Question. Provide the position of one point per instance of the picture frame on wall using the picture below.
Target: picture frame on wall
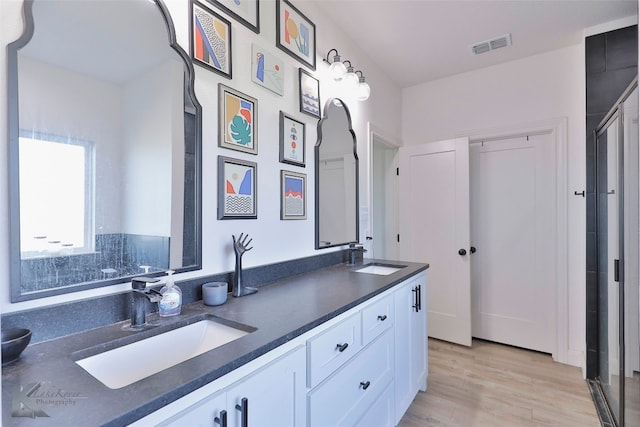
(246, 12)
(210, 45)
(237, 189)
(293, 195)
(295, 33)
(292, 140)
(237, 120)
(267, 70)
(309, 94)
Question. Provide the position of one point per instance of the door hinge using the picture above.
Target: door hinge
(616, 270)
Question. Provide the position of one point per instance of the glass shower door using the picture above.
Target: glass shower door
(631, 256)
(608, 228)
(618, 242)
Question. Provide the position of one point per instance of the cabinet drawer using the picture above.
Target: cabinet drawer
(347, 394)
(380, 413)
(377, 318)
(332, 348)
(200, 414)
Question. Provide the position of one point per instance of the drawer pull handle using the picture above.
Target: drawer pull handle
(244, 412)
(382, 318)
(342, 347)
(365, 385)
(222, 420)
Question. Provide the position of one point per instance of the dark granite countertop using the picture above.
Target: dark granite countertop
(280, 311)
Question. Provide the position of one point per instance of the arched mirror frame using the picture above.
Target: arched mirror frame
(325, 117)
(13, 131)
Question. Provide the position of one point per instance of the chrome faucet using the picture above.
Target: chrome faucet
(139, 296)
(353, 251)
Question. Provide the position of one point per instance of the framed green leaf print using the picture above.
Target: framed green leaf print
(238, 120)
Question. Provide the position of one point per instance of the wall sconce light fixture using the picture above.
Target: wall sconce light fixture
(342, 71)
(337, 68)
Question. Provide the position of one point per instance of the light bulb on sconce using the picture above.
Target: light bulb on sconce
(362, 90)
(337, 70)
(350, 79)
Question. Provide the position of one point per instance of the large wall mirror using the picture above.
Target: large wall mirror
(104, 135)
(336, 164)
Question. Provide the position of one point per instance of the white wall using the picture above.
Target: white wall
(534, 89)
(273, 240)
(147, 158)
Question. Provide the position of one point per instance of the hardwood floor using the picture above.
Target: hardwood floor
(495, 385)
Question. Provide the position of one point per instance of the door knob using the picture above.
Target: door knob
(462, 252)
(472, 249)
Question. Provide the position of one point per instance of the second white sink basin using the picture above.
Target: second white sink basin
(380, 269)
(132, 362)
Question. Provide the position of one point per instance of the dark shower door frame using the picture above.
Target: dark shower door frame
(615, 114)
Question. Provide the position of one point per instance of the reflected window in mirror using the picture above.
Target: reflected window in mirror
(336, 173)
(104, 86)
(56, 213)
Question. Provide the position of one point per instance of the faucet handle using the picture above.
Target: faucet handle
(141, 282)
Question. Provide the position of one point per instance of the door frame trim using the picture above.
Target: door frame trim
(373, 131)
(558, 129)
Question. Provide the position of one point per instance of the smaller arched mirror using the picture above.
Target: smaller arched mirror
(336, 161)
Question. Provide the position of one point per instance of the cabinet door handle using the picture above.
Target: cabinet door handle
(416, 299)
(342, 347)
(222, 420)
(244, 412)
(365, 385)
(382, 318)
(419, 298)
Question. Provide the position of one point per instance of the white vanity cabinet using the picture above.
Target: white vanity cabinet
(360, 368)
(271, 396)
(410, 342)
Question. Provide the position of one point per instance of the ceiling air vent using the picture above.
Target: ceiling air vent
(492, 44)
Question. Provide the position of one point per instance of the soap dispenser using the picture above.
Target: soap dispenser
(171, 301)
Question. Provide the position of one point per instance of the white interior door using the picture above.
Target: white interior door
(513, 272)
(434, 226)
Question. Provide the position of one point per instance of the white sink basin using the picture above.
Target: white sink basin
(130, 363)
(380, 269)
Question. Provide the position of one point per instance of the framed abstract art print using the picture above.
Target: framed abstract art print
(237, 189)
(237, 120)
(295, 33)
(210, 40)
(292, 140)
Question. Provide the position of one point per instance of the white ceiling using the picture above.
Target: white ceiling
(415, 41)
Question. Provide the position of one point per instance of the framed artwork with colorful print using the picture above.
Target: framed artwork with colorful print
(210, 40)
(237, 189)
(295, 33)
(237, 120)
(309, 94)
(293, 195)
(292, 140)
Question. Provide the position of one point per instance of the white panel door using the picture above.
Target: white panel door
(513, 272)
(434, 227)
